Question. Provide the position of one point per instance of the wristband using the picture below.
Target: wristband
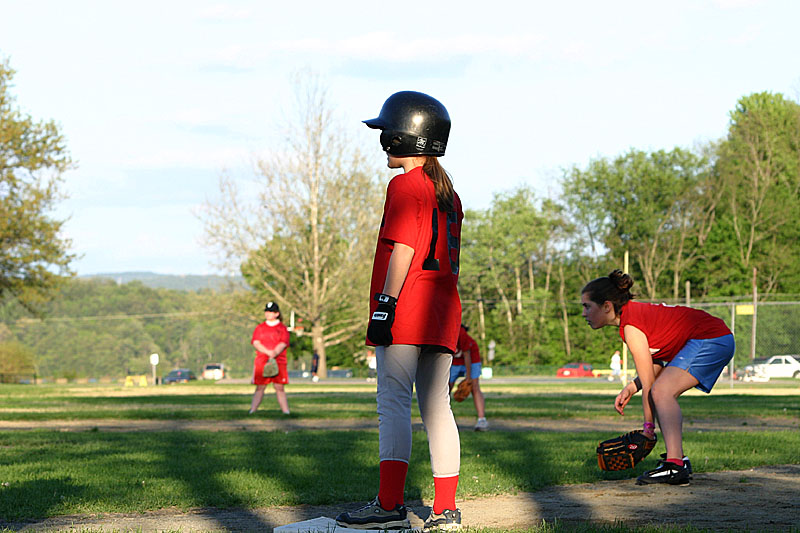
(386, 299)
(649, 427)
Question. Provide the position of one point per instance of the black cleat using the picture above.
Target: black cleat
(446, 521)
(686, 462)
(665, 472)
(373, 516)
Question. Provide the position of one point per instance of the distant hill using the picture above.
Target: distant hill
(186, 282)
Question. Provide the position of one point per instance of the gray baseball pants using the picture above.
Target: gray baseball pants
(399, 367)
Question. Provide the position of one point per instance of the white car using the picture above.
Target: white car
(779, 366)
(215, 371)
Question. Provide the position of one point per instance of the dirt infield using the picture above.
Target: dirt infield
(764, 498)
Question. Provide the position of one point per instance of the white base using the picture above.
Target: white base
(323, 524)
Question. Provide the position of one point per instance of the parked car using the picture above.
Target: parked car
(340, 373)
(749, 368)
(213, 371)
(181, 375)
(575, 370)
(779, 366)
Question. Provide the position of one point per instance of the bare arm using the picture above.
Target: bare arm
(271, 353)
(640, 349)
(630, 389)
(399, 263)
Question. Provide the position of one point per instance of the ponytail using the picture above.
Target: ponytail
(442, 185)
(614, 288)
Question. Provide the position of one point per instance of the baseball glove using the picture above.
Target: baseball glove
(463, 390)
(270, 369)
(625, 451)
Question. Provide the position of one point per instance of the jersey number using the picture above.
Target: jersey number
(453, 245)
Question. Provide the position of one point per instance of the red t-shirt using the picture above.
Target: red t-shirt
(669, 327)
(270, 337)
(428, 307)
(467, 344)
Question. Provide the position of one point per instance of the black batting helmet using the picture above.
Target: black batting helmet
(412, 123)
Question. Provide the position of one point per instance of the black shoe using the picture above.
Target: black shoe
(373, 516)
(448, 520)
(686, 462)
(665, 472)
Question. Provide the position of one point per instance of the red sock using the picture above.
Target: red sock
(444, 490)
(393, 483)
(678, 462)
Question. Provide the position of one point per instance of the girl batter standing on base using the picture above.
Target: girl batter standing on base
(674, 349)
(415, 310)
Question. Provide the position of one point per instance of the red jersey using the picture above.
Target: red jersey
(270, 337)
(428, 306)
(669, 327)
(467, 344)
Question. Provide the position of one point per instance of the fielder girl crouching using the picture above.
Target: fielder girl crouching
(674, 349)
(415, 311)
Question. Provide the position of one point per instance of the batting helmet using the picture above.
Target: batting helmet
(412, 123)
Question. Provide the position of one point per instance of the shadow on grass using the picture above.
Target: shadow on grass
(206, 491)
(511, 455)
(41, 497)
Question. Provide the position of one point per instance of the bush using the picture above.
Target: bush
(15, 360)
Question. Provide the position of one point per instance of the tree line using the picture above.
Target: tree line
(717, 216)
(712, 216)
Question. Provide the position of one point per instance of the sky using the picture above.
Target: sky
(158, 99)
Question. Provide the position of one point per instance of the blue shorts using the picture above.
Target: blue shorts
(704, 359)
(457, 371)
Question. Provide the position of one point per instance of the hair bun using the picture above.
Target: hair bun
(622, 280)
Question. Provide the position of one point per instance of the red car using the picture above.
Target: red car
(575, 370)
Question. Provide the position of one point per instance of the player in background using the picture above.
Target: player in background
(270, 339)
(467, 348)
(314, 366)
(415, 311)
(674, 349)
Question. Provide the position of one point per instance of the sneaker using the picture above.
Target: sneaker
(686, 462)
(373, 516)
(665, 472)
(482, 425)
(449, 519)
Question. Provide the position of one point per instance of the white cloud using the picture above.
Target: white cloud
(378, 46)
(138, 238)
(749, 34)
(735, 4)
(189, 157)
(224, 12)
(234, 56)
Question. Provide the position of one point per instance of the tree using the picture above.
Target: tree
(659, 206)
(16, 360)
(759, 165)
(34, 258)
(309, 242)
(502, 250)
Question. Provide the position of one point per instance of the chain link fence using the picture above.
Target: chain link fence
(775, 326)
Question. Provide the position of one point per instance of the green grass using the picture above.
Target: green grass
(549, 527)
(223, 402)
(47, 473)
(51, 473)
